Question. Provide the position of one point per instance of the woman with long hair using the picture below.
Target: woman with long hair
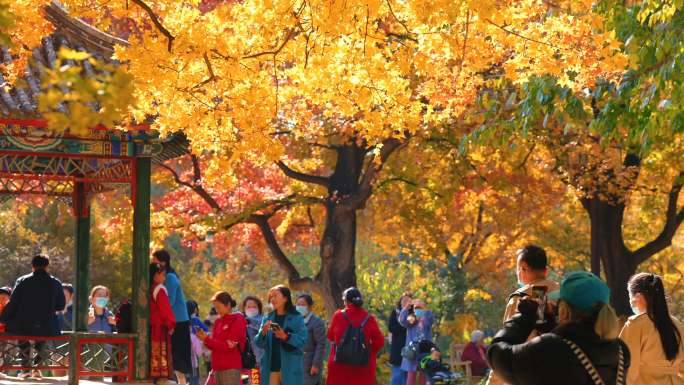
(282, 336)
(182, 345)
(654, 337)
(162, 324)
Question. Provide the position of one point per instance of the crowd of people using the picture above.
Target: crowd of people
(552, 333)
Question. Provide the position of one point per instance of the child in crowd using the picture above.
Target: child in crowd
(196, 350)
(435, 371)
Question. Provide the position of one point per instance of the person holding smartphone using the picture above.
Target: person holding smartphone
(227, 341)
(532, 273)
(282, 336)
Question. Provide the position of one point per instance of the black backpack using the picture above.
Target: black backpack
(352, 349)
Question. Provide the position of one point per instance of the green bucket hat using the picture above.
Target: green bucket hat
(582, 290)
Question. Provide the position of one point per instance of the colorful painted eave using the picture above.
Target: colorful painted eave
(33, 136)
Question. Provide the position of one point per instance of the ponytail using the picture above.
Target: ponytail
(601, 317)
(651, 287)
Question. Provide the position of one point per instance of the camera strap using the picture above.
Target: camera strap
(589, 366)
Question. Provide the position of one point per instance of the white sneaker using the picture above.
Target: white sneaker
(23, 375)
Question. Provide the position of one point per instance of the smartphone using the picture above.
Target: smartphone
(275, 326)
(539, 294)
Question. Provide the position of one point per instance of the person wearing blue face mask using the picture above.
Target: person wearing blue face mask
(100, 319)
(314, 350)
(417, 320)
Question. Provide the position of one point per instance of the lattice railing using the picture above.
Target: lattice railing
(98, 355)
(91, 169)
(11, 186)
(41, 353)
(105, 356)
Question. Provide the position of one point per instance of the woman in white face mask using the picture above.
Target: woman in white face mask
(253, 310)
(314, 350)
(653, 336)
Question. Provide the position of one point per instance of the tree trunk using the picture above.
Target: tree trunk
(608, 247)
(338, 244)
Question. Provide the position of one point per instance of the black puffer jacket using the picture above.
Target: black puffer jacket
(398, 337)
(31, 310)
(547, 360)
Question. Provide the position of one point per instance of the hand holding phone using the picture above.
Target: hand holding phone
(539, 295)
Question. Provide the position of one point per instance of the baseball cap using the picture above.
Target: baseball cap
(582, 290)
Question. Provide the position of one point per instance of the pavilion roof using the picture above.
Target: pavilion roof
(36, 160)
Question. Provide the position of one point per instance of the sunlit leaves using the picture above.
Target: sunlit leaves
(76, 101)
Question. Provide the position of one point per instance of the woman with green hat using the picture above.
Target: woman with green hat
(582, 350)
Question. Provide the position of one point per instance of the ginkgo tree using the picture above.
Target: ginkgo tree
(329, 91)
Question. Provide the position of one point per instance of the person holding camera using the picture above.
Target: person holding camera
(583, 349)
(282, 336)
(417, 320)
(532, 273)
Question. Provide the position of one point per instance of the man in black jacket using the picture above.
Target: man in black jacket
(32, 308)
(398, 341)
(587, 325)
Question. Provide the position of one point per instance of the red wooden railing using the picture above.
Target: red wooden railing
(116, 349)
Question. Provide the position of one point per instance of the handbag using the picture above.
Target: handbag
(410, 351)
(589, 367)
(247, 356)
(249, 360)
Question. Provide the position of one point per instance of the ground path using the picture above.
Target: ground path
(56, 381)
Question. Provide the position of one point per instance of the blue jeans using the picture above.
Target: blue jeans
(398, 376)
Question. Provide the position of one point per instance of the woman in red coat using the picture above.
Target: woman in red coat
(342, 374)
(227, 341)
(162, 323)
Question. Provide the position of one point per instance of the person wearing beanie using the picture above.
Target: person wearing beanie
(353, 315)
(227, 341)
(583, 349)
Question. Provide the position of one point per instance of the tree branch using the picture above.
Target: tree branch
(673, 219)
(307, 178)
(389, 146)
(288, 37)
(410, 183)
(196, 185)
(210, 68)
(295, 279)
(157, 23)
(519, 35)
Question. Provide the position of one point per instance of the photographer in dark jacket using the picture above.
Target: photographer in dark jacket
(32, 308)
(398, 341)
(587, 326)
